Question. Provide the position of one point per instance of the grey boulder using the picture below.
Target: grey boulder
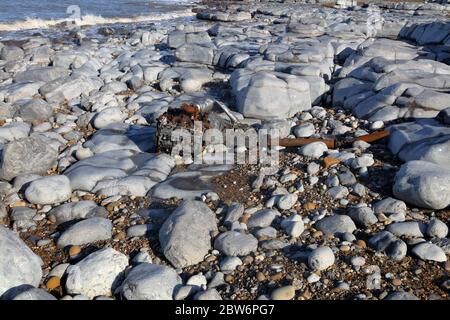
(49, 190)
(233, 243)
(18, 264)
(429, 251)
(423, 184)
(185, 236)
(149, 281)
(336, 224)
(97, 274)
(29, 155)
(86, 231)
(77, 210)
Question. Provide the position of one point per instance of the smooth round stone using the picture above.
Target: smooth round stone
(266, 233)
(321, 258)
(230, 264)
(283, 293)
(49, 190)
(262, 218)
(376, 125)
(293, 225)
(363, 162)
(185, 291)
(344, 286)
(234, 243)
(313, 168)
(83, 153)
(429, 251)
(150, 282)
(197, 280)
(336, 224)
(313, 278)
(437, 229)
(108, 116)
(286, 202)
(86, 231)
(358, 261)
(142, 257)
(304, 130)
(137, 230)
(314, 150)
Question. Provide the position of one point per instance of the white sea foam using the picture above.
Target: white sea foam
(90, 20)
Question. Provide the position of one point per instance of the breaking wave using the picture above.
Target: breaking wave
(90, 20)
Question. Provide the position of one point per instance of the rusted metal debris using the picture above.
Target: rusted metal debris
(333, 142)
(185, 116)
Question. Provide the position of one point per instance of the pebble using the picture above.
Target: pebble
(313, 278)
(429, 251)
(198, 280)
(321, 258)
(49, 190)
(286, 202)
(361, 243)
(436, 228)
(230, 264)
(314, 150)
(283, 293)
(330, 161)
(53, 283)
(74, 251)
(357, 261)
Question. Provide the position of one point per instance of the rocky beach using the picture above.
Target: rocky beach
(92, 208)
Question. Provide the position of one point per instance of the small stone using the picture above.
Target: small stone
(309, 206)
(229, 278)
(429, 251)
(230, 264)
(396, 282)
(234, 243)
(283, 293)
(86, 231)
(260, 277)
(286, 202)
(336, 224)
(361, 243)
(313, 278)
(262, 218)
(321, 258)
(293, 225)
(401, 296)
(330, 161)
(314, 150)
(53, 283)
(304, 130)
(338, 192)
(198, 280)
(74, 251)
(49, 190)
(437, 229)
(358, 261)
(120, 236)
(363, 215)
